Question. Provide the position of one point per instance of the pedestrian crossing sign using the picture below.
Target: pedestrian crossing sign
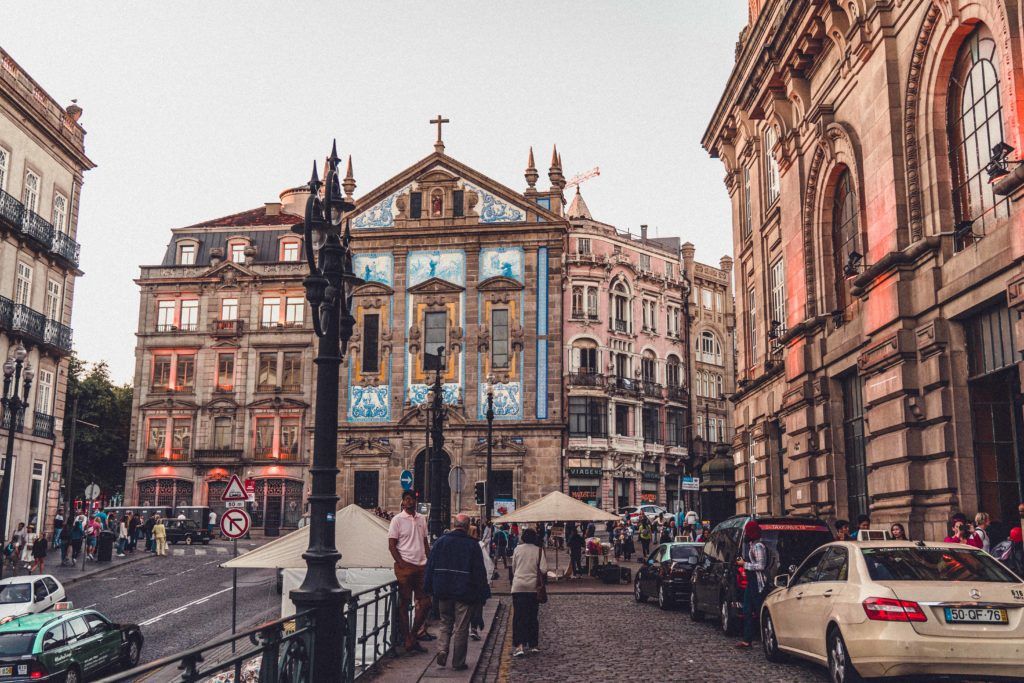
(235, 490)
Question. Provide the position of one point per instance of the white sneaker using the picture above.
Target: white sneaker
(474, 635)
(519, 653)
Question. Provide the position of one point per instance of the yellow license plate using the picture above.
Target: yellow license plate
(6, 670)
(976, 615)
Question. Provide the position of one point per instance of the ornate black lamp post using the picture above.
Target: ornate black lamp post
(488, 495)
(329, 288)
(437, 523)
(16, 371)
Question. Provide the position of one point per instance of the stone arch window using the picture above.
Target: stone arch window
(622, 307)
(847, 250)
(719, 386)
(673, 372)
(710, 349)
(975, 125)
(649, 367)
(586, 357)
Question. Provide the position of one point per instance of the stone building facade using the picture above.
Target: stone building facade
(42, 165)
(224, 369)
(878, 268)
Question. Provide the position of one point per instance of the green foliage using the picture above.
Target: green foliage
(100, 450)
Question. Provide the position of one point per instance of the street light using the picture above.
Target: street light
(329, 287)
(437, 523)
(488, 496)
(16, 371)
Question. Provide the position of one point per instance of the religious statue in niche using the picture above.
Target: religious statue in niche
(436, 204)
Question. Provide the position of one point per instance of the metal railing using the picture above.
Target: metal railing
(28, 322)
(586, 378)
(281, 651)
(218, 453)
(227, 328)
(6, 422)
(66, 248)
(652, 389)
(42, 425)
(620, 325)
(22, 320)
(677, 393)
(37, 228)
(11, 210)
(57, 335)
(625, 385)
(32, 225)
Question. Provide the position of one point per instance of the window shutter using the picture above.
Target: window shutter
(457, 210)
(575, 361)
(416, 205)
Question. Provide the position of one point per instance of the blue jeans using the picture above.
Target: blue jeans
(752, 599)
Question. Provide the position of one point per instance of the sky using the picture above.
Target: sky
(195, 110)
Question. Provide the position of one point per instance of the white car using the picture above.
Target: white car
(652, 512)
(20, 595)
(896, 608)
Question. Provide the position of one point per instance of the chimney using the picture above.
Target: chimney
(643, 233)
(273, 208)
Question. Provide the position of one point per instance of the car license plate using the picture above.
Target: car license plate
(976, 615)
(6, 670)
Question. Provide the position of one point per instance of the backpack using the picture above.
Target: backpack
(1003, 551)
(501, 538)
(771, 569)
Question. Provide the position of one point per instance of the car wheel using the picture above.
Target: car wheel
(770, 639)
(188, 540)
(695, 613)
(638, 592)
(664, 601)
(726, 618)
(840, 668)
(131, 657)
(72, 675)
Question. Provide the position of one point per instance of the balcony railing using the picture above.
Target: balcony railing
(57, 335)
(652, 389)
(6, 312)
(218, 453)
(175, 454)
(227, 328)
(28, 322)
(677, 393)
(18, 427)
(625, 385)
(586, 378)
(42, 425)
(66, 248)
(23, 321)
(620, 325)
(36, 228)
(11, 210)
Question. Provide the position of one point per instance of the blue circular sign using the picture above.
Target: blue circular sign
(406, 480)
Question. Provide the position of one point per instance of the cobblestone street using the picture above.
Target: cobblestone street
(599, 638)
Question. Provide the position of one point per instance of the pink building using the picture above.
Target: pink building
(625, 342)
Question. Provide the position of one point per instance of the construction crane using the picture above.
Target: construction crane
(581, 178)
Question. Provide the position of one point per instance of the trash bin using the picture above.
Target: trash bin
(105, 546)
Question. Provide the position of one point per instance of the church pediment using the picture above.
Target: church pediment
(229, 271)
(373, 289)
(170, 403)
(499, 283)
(435, 285)
(503, 445)
(278, 403)
(222, 406)
(437, 175)
(413, 415)
(370, 446)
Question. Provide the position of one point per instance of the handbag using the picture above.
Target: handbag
(542, 590)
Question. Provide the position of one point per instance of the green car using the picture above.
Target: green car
(70, 646)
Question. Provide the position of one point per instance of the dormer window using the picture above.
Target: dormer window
(186, 253)
(236, 251)
(290, 250)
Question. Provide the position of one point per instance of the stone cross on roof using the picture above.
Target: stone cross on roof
(439, 145)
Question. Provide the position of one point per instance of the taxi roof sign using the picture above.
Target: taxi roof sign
(235, 490)
(63, 606)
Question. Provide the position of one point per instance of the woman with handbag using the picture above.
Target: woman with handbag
(529, 568)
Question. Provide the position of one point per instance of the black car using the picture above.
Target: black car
(718, 584)
(666, 574)
(186, 531)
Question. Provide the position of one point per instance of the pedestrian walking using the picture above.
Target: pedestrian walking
(147, 530)
(456, 578)
(211, 522)
(476, 621)
(645, 536)
(863, 524)
(28, 538)
(39, 549)
(575, 544)
(754, 561)
(77, 537)
(628, 548)
(1015, 559)
(529, 568)
(407, 542)
(134, 522)
(898, 533)
(160, 536)
(58, 527)
(92, 533)
(122, 536)
(501, 539)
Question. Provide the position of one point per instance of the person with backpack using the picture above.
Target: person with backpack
(754, 561)
(501, 546)
(77, 534)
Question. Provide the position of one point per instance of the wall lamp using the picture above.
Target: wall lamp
(997, 166)
(854, 264)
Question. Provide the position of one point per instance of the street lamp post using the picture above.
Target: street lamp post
(488, 495)
(16, 371)
(437, 523)
(329, 288)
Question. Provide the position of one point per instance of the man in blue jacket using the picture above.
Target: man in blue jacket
(457, 579)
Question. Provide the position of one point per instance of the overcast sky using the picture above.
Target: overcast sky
(195, 110)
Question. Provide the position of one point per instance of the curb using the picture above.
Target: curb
(100, 570)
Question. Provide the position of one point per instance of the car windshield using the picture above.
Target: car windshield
(934, 564)
(793, 545)
(15, 592)
(16, 643)
(682, 552)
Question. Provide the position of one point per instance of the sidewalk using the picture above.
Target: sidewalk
(559, 581)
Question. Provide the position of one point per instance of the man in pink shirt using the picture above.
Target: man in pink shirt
(407, 541)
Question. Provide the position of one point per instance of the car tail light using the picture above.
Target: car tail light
(37, 671)
(888, 609)
(741, 579)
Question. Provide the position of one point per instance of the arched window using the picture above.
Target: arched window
(621, 308)
(719, 387)
(975, 124)
(672, 372)
(649, 367)
(710, 350)
(845, 234)
(771, 167)
(585, 357)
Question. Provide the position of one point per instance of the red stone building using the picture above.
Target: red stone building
(878, 270)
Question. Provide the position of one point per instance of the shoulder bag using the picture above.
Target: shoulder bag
(542, 590)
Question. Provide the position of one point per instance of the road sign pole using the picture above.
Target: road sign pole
(234, 595)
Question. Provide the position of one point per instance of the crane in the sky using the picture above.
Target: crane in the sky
(581, 178)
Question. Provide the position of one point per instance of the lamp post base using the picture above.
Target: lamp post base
(331, 632)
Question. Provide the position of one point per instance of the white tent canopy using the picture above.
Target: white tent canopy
(557, 507)
(361, 536)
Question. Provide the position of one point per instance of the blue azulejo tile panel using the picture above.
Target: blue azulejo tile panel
(418, 393)
(369, 404)
(501, 262)
(381, 214)
(446, 264)
(542, 290)
(508, 401)
(375, 268)
(542, 379)
(493, 209)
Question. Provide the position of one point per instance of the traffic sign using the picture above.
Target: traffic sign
(235, 490)
(92, 492)
(250, 489)
(234, 503)
(234, 523)
(690, 484)
(406, 480)
(456, 476)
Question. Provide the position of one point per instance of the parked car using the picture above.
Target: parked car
(20, 595)
(718, 583)
(895, 608)
(666, 574)
(653, 512)
(186, 531)
(70, 646)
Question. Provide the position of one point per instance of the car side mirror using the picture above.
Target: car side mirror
(792, 569)
(782, 581)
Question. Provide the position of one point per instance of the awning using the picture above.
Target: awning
(557, 507)
(361, 536)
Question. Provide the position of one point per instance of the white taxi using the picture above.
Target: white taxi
(897, 608)
(29, 594)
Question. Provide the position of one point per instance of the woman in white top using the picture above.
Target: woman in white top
(26, 549)
(529, 568)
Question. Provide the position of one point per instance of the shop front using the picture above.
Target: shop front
(585, 485)
(278, 504)
(649, 479)
(165, 492)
